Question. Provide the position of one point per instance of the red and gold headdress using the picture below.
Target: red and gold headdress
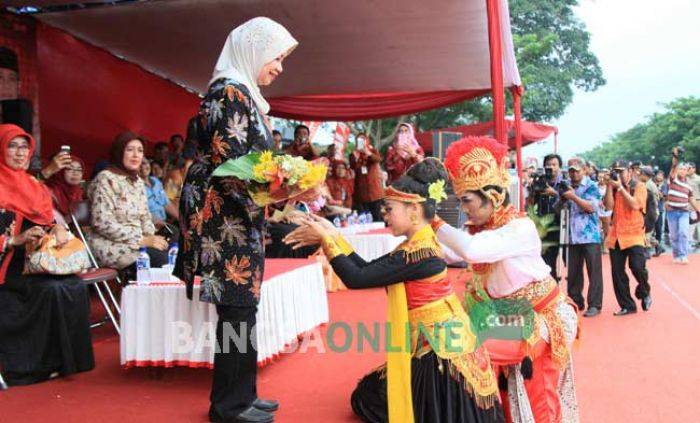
(392, 193)
(477, 162)
(436, 191)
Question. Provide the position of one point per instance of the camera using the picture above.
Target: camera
(564, 186)
(542, 179)
(549, 173)
(539, 181)
(615, 175)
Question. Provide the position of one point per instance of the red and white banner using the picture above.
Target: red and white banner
(340, 140)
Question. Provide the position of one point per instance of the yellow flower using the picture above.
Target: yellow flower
(265, 171)
(314, 176)
(265, 157)
(436, 190)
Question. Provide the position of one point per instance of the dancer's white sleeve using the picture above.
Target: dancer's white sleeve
(519, 237)
(450, 256)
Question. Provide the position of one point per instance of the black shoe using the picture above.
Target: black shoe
(624, 312)
(253, 415)
(266, 405)
(646, 303)
(592, 312)
(214, 417)
(658, 252)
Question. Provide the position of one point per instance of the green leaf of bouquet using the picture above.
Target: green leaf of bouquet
(241, 168)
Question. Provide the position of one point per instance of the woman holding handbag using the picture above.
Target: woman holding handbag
(44, 326)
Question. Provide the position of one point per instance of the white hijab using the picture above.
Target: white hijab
(247, 49)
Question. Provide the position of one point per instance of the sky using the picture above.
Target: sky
(649, 51)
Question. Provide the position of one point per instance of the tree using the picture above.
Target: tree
(651, 141)
(552, 52)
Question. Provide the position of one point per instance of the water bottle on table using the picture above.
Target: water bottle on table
(143, 266)
(361, 219)
(354, 218)
(172, 254)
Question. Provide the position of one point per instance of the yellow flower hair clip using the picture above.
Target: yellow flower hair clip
(436, 190)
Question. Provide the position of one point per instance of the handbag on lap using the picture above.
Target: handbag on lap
(45, 257)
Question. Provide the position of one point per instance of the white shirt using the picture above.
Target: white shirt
(514, 250)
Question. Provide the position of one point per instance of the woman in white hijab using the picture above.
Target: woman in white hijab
(221, 227)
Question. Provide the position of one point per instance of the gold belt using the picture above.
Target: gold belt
(447, 330)
(437, 311)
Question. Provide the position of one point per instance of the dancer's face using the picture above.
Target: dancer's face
(477, 209)
(397, 216)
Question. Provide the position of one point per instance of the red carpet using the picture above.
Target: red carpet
(640, 368)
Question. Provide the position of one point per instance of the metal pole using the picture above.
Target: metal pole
(563, 263)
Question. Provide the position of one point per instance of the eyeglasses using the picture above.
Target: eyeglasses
(16, 147)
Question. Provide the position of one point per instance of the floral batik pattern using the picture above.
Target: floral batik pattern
(221, 228)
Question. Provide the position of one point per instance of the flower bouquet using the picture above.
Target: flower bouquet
(272, 178)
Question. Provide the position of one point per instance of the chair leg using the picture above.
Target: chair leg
(3, 385)
(112, 298)
(108, 309)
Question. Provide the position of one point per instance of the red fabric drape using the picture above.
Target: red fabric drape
(364, 106)
(531, 132)
(87, 96)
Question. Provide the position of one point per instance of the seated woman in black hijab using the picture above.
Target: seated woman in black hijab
(444, 376)
(44, 327)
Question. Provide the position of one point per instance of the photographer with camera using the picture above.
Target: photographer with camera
(627, 198)
(582, 199)
(679, 202)
(544, 195)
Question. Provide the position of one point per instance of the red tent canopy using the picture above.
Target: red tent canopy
(356, 60)
(531, 132)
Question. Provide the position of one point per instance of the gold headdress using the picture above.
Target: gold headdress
(478, 162)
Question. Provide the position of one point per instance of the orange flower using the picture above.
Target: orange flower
(257, 281)
(212, 200)
(219, 146)
(196, 222)
(237, 270)
(234, 93)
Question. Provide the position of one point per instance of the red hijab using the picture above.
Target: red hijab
(19, 191)
(116, 155)
(64, 193)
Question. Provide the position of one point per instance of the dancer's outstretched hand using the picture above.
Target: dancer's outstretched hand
(312, 230)
(325, 223)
